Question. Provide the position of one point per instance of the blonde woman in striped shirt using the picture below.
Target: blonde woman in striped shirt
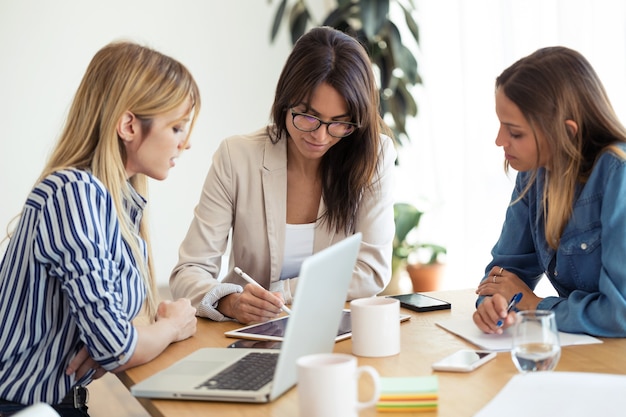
(77, 269)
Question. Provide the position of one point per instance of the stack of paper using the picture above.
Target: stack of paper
(404, 394)
(550, 394)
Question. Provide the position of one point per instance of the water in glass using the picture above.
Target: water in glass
(536, 344)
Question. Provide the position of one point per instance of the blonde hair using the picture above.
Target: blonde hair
(122, 76)
(551, 86)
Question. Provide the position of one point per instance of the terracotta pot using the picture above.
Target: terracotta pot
(425, 277)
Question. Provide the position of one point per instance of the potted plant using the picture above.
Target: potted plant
(392, 58)
(422, 261)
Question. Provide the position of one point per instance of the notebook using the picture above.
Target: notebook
(312, 328)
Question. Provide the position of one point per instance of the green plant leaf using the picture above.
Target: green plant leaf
(398, 106)
(409, 101)
(406, 218)
(384, 62)
(338, 17)
(374, 14)
(393, 37)
(411, 24)
(408, 64)
(278, 18)
(298, 20)
(436, 252)
(368, 20)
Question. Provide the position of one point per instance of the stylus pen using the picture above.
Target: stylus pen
(249, 279)
(514, 300)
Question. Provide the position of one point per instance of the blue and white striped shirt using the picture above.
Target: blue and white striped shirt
(67, 280)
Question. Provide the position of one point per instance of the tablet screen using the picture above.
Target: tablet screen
(275, 329)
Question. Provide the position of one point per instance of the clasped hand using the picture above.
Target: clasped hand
(498, 288)
(181, 317)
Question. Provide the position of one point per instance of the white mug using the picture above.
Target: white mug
(375, 326)
(328, 385)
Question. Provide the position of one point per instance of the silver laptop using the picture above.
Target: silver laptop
(311, 328)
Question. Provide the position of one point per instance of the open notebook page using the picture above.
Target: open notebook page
(466, 329)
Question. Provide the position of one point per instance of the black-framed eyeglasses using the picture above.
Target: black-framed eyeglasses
(307, 123)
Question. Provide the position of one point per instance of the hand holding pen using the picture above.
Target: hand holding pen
(514, 300)
(250, 280)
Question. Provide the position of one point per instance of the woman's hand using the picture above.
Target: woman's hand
(181, 315)
(498, 289)
(175, 321)
(492, 311)
(83, 363)
(507, 284)
(254, 305)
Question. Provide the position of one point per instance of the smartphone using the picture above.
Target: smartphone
(421, 303)
(465, 360)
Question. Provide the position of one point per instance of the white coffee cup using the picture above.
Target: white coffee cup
(375, 326)
(328, 385)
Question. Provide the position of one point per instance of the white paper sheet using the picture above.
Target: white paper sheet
(552, 394)
(466, 329)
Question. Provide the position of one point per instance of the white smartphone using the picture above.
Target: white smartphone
(465, 360)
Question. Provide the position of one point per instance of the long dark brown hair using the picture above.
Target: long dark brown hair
(327, 55)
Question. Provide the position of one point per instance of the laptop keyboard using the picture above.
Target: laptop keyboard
(249, 373)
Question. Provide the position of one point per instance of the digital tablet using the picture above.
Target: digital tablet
(421, 303)
(275, 329)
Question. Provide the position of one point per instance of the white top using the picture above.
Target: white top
(298, 247)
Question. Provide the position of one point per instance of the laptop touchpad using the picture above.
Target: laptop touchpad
(193, 367)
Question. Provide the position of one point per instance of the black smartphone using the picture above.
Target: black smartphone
(421, 303)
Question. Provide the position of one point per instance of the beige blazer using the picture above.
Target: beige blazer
(244, 194)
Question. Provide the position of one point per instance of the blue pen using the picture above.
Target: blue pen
(514, 300)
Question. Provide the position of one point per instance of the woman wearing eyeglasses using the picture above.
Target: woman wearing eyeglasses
(323, 170)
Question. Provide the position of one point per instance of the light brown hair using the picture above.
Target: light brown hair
(551, 86)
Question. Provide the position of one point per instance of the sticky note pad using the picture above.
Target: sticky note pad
(403, 394)
(416, 386)
(394, 407)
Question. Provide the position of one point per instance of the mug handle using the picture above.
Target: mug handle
(375, 379)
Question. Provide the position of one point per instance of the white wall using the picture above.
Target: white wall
(45, 48)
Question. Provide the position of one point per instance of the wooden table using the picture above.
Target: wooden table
(423, 342)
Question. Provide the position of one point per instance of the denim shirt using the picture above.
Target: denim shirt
(588, 270)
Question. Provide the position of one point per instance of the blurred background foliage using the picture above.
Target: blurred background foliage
(392, 55)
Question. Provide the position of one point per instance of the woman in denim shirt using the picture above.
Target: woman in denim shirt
(567, 217)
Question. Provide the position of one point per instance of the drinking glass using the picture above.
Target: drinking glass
(536, 344)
